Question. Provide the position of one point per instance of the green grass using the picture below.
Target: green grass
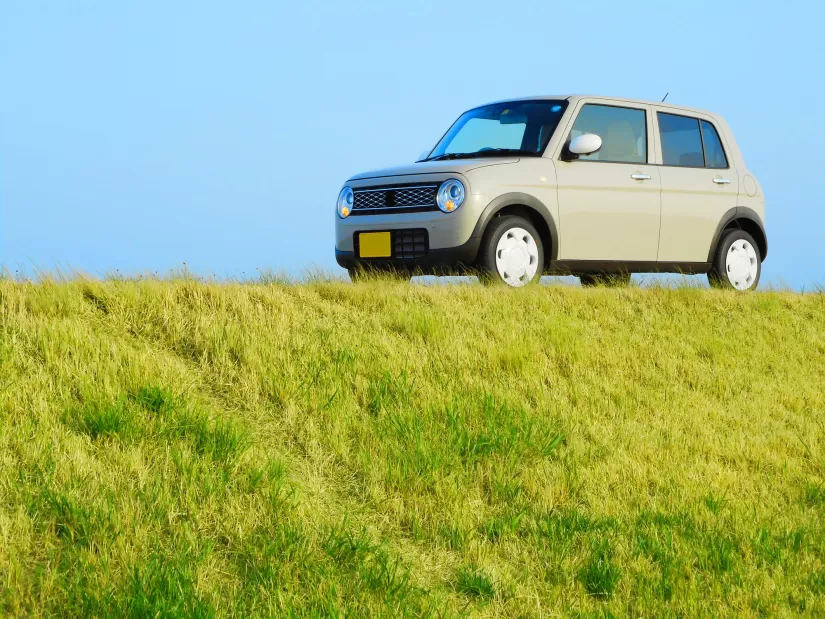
(182, 448)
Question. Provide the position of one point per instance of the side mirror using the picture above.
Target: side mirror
(585, 144)
(424, 155)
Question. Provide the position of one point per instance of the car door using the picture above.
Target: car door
(609, 201)
(698, 186)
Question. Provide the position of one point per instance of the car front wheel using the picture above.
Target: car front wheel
(512, 252)
(737, 264)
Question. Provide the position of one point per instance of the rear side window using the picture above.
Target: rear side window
(623, 132)
(714, 153)
(690, 143)
(681, 141)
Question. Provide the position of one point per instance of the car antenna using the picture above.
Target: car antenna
(665, 97)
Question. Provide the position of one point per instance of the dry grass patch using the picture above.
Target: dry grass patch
(181, 448)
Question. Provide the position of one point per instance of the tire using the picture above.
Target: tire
(737, 264)
(511, 252)
(361, 274)
(610, 280)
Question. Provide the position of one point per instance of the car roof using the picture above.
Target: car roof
(574, 98)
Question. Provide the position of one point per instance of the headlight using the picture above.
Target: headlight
(450, 195)
(345, 200)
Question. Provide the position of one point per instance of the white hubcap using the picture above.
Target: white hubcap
(517, 257)
(741, 265)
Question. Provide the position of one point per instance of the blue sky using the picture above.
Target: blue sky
(141, 135)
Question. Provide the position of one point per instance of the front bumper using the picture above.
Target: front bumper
(452, 243)
(457, 259)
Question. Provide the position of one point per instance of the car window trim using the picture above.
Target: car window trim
(718, 139)
(701, 135)
(621, 107)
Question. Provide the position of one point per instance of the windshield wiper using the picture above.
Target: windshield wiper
(449, 156)
(494, 152)
(490, 152)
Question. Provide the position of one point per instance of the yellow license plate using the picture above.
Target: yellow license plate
(374, 245)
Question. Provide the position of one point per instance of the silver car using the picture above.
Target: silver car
(592, 186)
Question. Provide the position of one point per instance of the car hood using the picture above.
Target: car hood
(456, 166)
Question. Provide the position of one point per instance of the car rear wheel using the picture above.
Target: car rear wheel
(604, 279)
(511, 252)
(737, 264)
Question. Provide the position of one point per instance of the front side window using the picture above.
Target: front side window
(515, 128)
(623, 132)
(714, 153)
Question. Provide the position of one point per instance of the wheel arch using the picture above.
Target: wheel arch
(741, 218)
(530, 208)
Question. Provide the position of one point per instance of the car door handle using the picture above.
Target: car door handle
(640, 177)
(721, 181)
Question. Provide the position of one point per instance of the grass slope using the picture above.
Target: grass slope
(184, 448)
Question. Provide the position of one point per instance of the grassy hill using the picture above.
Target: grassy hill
(184, 448)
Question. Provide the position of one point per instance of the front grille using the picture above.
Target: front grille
(407, 244)
(408, 198)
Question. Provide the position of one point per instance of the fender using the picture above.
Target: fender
(518, 199)
(740, 212)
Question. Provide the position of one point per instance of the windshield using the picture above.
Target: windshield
(515, 128)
